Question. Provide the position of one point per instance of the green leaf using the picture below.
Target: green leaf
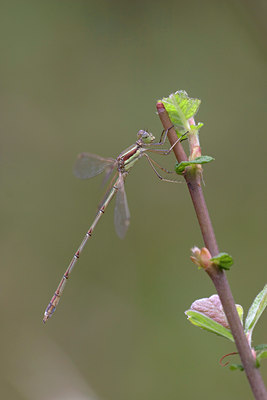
(180, 167)
(223, 260)
(240, 312)
(181, 108)
(256, 309)
(235, 367)
(260, 347)
(261, 356)
(196, 127)
(204, 322)
(261, 353)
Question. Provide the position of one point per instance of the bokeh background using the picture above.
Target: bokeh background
(85, 76)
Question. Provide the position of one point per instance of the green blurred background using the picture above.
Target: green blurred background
(85, 76)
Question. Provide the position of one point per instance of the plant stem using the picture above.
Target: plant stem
(217, 275)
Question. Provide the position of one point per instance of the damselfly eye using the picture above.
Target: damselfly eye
(140, 133)
(144, 135)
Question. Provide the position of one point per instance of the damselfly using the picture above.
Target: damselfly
(89, 165)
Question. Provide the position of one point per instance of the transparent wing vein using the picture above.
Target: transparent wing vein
(122, 213)
(89, 165)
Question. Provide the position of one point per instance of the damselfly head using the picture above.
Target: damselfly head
(145, 137)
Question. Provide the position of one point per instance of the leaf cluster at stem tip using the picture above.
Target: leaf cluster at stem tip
(181, 108)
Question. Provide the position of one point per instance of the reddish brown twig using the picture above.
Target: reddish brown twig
(217, 275)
